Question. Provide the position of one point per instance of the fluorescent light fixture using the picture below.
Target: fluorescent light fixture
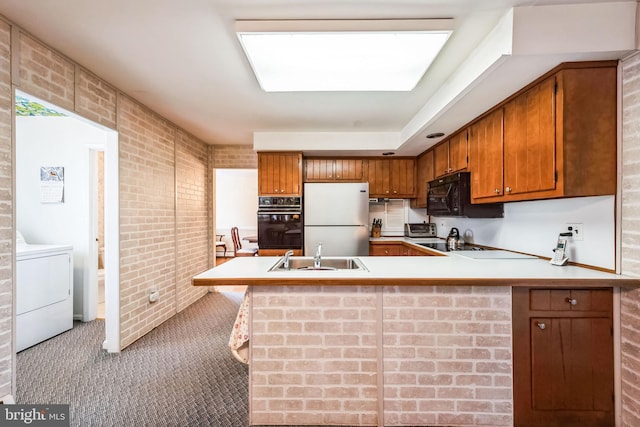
(342, 55)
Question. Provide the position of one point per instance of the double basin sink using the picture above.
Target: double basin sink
(326, 264)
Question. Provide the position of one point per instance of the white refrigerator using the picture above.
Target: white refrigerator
(336, 214)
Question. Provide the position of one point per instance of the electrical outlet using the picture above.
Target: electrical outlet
(577, 231)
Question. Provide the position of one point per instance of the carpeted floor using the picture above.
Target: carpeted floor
(180, 374)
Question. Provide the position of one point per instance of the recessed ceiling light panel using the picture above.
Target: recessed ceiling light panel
(374, 56)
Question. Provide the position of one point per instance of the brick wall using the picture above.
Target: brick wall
(7, 362)
(447, 356)
(45, 73)
(147, 219)
(314, 358)
(630, 242)
(159, 164)
(193, 235)
(234, 156)
(444, 355)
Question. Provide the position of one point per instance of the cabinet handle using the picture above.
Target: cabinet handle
(508, 189)
(542, 326)
(497, 191)
(572, 301)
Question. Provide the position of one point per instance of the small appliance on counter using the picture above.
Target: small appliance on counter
(420, 229)
(454, 241)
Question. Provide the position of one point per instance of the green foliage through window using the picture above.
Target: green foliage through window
(25, 107)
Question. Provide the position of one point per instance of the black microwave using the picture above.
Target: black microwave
(451, 196)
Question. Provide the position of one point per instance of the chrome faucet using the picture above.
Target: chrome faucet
(286, 259)
(317, 259)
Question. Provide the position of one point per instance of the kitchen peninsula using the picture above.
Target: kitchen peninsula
(406, 341)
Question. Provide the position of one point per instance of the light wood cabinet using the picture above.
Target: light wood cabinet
(558, 139)
(280, 174)
(451, 155)
(424, 173)
(563, 357)
(393, 178)
(330, 170)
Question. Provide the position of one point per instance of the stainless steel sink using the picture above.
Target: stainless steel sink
(328, 263)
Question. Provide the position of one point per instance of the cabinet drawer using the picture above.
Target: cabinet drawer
(570, 299)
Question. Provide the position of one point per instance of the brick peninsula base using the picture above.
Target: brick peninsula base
(381, 355)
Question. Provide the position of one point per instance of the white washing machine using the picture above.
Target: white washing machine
(44, 292)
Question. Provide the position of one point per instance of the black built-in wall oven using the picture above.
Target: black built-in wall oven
(280, 223)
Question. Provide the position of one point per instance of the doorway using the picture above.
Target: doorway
(47, 136)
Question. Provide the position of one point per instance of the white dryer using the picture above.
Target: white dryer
(44, 292)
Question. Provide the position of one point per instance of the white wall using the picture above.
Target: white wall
(57, 141)
(533, 227)
(236, 203)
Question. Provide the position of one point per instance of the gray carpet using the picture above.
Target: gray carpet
(180, 374)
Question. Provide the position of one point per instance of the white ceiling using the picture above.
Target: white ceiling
(183, 60)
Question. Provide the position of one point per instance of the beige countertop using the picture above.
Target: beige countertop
(450, 270)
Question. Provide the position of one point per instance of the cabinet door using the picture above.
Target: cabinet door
(485, 142)
(441, 159)
(318, 170)
(563, 357)
(402, 178)
(390, 249)
(458, 156)
(280, 174)
(424, 174)
(572, 364)
(378, 177)
(348, 170)
(529, 140)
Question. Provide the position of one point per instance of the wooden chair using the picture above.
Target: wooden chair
(220, 244)
(237, 246)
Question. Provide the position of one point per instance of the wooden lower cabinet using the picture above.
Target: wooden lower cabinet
(398, 249)
(278, 252)
(388, 249)
(563, 357)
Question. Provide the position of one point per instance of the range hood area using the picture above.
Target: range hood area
(523, 45)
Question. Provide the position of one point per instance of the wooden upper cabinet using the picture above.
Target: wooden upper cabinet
(424, 173)
(349, 170)
(559, 139)
(403, 178)
(327, 170)
(529, 140)
(451, 155)
(393, 178)
(378, 175)
(485, 154)
(280, 174)
(458, 151)
(441, 158)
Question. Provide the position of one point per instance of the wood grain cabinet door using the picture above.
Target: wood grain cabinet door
(424, 174)
(379, 177)
(485, 158)
(279, 174)
(529, 140)
(348, 170)
(402, 178)
(563, 357)
(318, 170)
(458, 151)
